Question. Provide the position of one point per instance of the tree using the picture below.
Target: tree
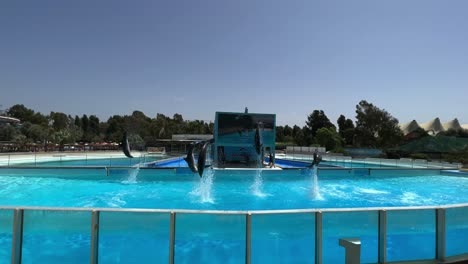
(93, 128)
(317, 120)
(36, 133)
(115, 128)
(77, 121)
(21, 140)
(346, 129)
(59, 120)
(376, 127)
(299, 138)
(7, 132)
(21, 112)
(280, 134)
(329, 138)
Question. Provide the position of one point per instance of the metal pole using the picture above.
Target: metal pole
(318, 237)
(440, 234)
(17, 236)
(382, 236)
(248, 237)
(94, 237)
(172, 237)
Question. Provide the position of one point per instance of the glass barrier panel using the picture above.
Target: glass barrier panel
(210, 238)
(56, 236)
(131, 237)
(363, 225)
(456, 221)
(283, 238)
(411, 235)
(6, 229)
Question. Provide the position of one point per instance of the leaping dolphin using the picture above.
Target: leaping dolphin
(190, 159)
(202, 158)
(317, 159)
(126, 146)
(258, 140)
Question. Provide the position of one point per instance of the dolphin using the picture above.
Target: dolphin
(202, 158)
(190, 159)
(317, 159)
(258, 139)
(126, 146)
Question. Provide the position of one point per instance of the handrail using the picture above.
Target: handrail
(235, 212)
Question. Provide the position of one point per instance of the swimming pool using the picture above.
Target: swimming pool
(285, 210)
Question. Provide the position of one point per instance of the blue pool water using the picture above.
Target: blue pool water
(230, 190)
(64, 237)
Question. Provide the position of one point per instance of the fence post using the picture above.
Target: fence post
(172, 230)
(318, 237)
(382, 236)
(17, 236)
(248, 237)
(440, 234)
(94, 237)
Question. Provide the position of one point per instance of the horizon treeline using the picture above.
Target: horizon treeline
(374, 127)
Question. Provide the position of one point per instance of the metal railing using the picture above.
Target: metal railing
(109, 159)
(347, 161)
(112, 159)
(440, 228)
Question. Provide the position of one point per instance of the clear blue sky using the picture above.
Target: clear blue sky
(196, 57)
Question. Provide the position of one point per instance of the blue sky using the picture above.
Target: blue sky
(197, 57)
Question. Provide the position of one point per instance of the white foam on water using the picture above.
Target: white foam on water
(410, 198)
(257, 185)
(338, 190)
(370, 191)
(203, 187)
(118, 200)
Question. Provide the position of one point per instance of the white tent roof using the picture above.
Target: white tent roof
(409, 127)
(453, 124)
(434, 126)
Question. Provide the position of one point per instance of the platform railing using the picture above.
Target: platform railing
(62, 159)
(439, 213)
(113, 159)
(347, 161)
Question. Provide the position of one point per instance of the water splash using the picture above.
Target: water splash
(258, 184)
(315, 184)
(204, 186)
(132, 175)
